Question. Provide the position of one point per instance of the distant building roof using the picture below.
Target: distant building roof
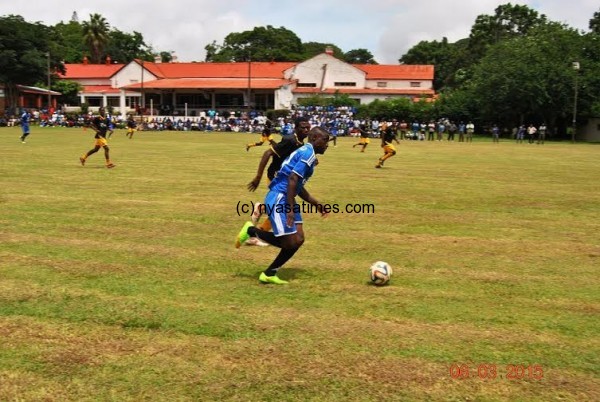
(218, 70)
(99, 89)
(401, 71)
(73, 71)
(210, 83)
(36, 90)
(240, 70)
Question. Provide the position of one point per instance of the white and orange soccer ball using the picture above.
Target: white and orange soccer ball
(381, 273)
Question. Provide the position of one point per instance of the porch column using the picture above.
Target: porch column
(122, 103)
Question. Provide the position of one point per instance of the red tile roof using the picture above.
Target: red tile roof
(36, 90)
(208, 83)
(400, 71)
(90, 70)
(100, 89)
(218, 70)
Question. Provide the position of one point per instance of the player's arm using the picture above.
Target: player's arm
(304, 194)
(253, 185)
(93, 127)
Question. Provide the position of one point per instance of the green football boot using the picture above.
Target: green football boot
(271, 279)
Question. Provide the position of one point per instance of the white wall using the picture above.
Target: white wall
(324, 70)
(400, 84)
(130, 74)
(284, 97)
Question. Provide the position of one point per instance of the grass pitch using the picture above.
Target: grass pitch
(124, 284)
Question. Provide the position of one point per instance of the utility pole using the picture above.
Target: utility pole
(49, 82)
(249, 80)
(142, 100)
(576, 68)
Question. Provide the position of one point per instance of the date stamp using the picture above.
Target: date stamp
(488, 371)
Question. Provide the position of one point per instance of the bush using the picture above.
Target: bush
(274, 114)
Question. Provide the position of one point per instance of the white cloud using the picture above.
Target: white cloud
(387, 28)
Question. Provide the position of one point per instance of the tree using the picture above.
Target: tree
(124, 47)
(24, 51)
(166, 57)
(509, 21)
(528, 78)
(260, 44)
(95, 36)
(359, 56)
(447, 58)
(70, 41)
(595, 23)
(69, 91)
(311, 49)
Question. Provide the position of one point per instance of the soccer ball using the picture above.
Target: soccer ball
(381, 272)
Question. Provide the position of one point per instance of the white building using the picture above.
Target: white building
(190, 88)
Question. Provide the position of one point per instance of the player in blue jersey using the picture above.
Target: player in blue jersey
(111, 125)
(277, 153)
(25, 117)
(281, 206)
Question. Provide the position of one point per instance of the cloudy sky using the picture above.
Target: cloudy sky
(387, 28)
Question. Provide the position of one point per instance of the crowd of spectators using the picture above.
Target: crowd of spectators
(340, 121)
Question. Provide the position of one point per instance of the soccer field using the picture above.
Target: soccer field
(124, 284)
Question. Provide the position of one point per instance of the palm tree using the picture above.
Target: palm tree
(95, 35)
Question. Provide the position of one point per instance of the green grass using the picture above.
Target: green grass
(124, 284)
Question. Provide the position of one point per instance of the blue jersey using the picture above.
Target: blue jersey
(287, 129)
(302, 162)
(25, 119)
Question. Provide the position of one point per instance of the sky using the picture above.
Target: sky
(387, 28)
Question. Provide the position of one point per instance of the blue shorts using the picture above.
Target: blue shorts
(25, 128)
(275, 203)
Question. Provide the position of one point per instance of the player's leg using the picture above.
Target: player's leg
(387, 156)
(25, 132)
(109, 164)
(290, 245)
(92, 151)
(257, 212)
(389, 151)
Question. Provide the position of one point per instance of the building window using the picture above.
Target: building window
(229, 100)
(94, 101)
(306, 85)
(113, 101)
(133, 81)
(381, 84)
(415, 84)
(344, 84)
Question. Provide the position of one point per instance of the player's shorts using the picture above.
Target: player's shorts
(364, 140)
(130, 130)
(25, 128)
(388, 148)
(275, 203)
(264, 138)
(101, 142)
